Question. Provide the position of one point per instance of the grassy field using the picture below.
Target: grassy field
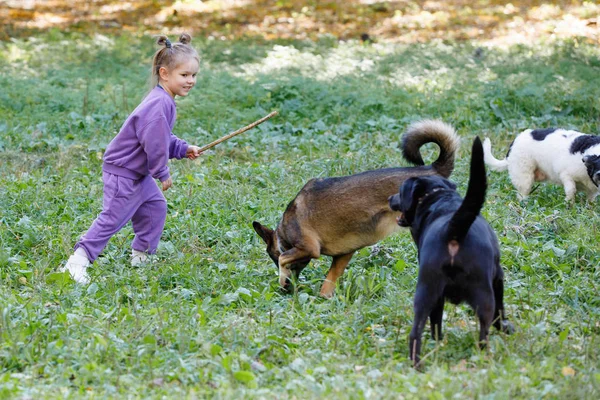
(207, 318)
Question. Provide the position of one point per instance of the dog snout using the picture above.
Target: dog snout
(287, 287)
(394, 202)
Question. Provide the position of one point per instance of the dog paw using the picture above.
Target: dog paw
(327, 289)
(419, 366)
(284, 276)
(507, 327)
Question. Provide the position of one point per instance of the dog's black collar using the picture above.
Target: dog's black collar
(432, 192)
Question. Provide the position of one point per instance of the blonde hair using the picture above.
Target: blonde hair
(171, 55)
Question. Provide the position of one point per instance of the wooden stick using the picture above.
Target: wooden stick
(232, 134)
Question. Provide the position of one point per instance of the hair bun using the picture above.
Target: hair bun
(185, 38)
(162, 40)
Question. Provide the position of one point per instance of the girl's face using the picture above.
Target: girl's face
(180, 80)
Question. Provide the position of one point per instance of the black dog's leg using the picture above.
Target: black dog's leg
(484, 306)
(500, 321)
(425, 301)
(435, 319)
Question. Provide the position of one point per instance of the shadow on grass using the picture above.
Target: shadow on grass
(406, 21)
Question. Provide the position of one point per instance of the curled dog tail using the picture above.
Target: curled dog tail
(431, 131)
(463, 218)
(490, 160)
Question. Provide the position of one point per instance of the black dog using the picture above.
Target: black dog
(459, 256)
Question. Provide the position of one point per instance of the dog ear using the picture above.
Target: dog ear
(410, 193)
(265, 233)
(590, 159)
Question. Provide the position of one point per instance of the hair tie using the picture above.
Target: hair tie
(167, 43)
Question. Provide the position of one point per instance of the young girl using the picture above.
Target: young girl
(136, 157)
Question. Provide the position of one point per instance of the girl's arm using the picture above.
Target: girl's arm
(177, 147)
(155, 140)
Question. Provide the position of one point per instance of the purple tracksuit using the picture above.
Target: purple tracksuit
(133, 159)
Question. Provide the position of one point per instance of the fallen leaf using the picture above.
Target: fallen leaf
(158, 382)
(460, 367)
(258, 366)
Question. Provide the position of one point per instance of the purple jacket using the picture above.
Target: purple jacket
(145, 143)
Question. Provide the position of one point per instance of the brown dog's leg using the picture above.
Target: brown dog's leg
(338, 266)
(290, 257)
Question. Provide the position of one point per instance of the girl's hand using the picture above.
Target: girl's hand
(192, 152)
(167, 184)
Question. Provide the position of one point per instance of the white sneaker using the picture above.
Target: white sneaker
(138, 258)
(77, 266)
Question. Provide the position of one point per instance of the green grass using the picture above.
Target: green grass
(207, 319)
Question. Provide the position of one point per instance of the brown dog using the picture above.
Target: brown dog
(337, 216)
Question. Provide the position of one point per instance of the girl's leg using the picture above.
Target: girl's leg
(149, 219)
(122, 197)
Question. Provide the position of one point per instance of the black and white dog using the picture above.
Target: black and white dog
(561, 156)
(459, 255)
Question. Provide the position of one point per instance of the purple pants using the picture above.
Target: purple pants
(140, 201)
